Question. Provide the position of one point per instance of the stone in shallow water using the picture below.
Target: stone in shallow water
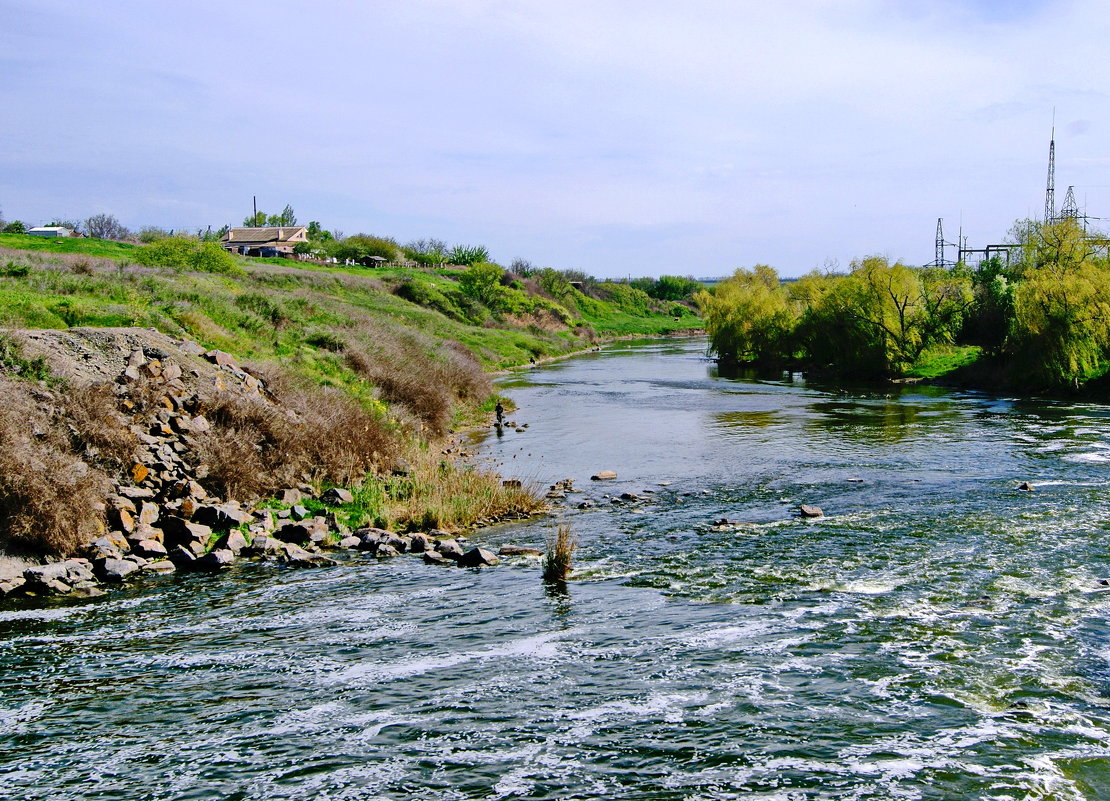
(811, 511)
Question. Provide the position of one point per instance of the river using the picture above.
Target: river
(938, 634)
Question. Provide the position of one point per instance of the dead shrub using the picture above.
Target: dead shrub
(426, 382)
(305, 432)
(98, 431)
(50, 500)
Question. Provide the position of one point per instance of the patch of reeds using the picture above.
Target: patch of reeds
(451, 496)
(560, 552)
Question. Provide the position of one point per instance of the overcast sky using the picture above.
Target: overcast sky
(618, 137)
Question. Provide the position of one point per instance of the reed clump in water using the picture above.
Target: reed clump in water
(560, 551)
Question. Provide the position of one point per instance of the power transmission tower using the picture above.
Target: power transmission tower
(940, 242)
(1070, 209)
(1050, 192)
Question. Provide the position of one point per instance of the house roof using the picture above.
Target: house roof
(276, 235)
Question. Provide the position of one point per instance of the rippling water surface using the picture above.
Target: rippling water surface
(938, 635)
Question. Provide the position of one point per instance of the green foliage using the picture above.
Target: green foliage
(467, 255)
(430, 252)
(188, 254)
(361, 247)
(13, 362)
(625, 297)
(15, 227)
(482, 281)
(748, 317)
(261, 220)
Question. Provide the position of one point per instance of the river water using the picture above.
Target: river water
(939, 634)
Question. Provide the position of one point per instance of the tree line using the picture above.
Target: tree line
(1037, 320)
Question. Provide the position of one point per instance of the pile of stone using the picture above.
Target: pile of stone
(161, 519)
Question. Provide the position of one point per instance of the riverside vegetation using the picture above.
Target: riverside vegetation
(1040, 322)
(145, 383)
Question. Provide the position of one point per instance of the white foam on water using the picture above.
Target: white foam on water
(13, 720)
(727, 635)
(1087, 458)
(40, 614)
(538, 647)
(668, 707)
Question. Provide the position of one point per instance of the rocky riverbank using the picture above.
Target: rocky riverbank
(160, 514)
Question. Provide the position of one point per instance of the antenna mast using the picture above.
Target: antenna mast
(1050, 191)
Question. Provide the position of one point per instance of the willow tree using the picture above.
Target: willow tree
(1060, 333)
(748, 317)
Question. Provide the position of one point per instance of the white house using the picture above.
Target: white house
(55, 231)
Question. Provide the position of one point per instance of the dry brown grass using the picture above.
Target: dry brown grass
(98, 431)
(560, 552)
(49, 498)
(427, 381)
(305, 433)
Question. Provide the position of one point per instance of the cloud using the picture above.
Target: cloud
(604, 134)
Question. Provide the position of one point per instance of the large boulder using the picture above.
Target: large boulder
(114, 570)
(478, 557)
(337, 496)
(221, 515)
(604, 475)
(214, 560)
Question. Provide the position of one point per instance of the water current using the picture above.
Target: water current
(939, 634)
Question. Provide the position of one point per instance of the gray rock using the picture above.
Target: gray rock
(221, 515)
(290, 496)
(810, 511)
(517, 550)
(604, 475)
(181, 557)
(268, 547)
(449, 548)
(87, 589)
(418, 543)
(160, 567)
(178, 531)
(337, 496)
(150, 549)
(294, 532)
(215, 560)
(350, 542)
(114, 570)
(586, 505)
(1025, 486)
(41, 574)
(12, 584)
(433, 558)
(478, 557)
(299, 512)
(233, 541)
(385, 550)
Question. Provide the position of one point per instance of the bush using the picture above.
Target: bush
(48, 496)
(186, 253)
(308, 432)
(467, 255)
(15, 227)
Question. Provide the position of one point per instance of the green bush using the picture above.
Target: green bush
(187, 254)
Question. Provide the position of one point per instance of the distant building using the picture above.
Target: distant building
(275, 241)
(54, 231)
